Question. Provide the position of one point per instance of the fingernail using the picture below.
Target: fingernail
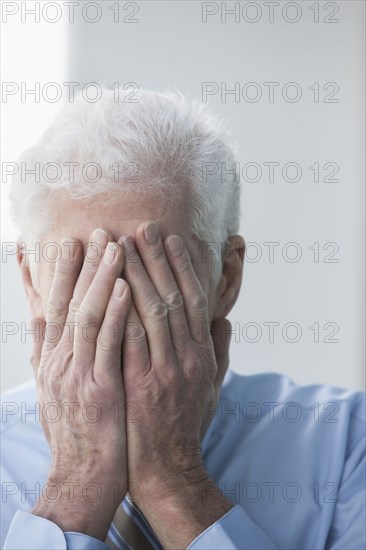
(127, 242)
(99, 237)
(151, 232)
(119, 288)
(110, 253)
(175, 245)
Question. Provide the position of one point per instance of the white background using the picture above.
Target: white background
(170, 47)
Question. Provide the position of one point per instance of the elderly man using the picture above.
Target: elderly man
(133, 434)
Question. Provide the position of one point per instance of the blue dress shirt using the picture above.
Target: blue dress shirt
(291, 459)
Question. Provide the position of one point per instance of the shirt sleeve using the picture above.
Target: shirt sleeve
(234, 530)
(348, 528)
(28, 531)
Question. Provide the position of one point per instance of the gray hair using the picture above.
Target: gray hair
(169, 145)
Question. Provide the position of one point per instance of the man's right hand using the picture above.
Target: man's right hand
(77, 366)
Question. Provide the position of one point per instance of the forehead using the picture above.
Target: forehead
(122, 216)
(119, 214)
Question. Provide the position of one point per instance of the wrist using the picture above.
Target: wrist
(186, 512)
(167, 480)
(80, 503)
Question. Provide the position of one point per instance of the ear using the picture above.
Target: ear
(232, 272)
(34, 299)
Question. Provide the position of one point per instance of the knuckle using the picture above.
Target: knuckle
(199, 302)
(157, 254)
(74, 306)
(152, 389)
(174, 300)
(54, 309)
(106, 344)
(192, 369)
(114, 310)
(172, 378)
(85, 314)
(55, 380)
(183, 266)
(109, 337)
(156, 309)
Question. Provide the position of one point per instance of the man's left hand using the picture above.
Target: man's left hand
(173, 369)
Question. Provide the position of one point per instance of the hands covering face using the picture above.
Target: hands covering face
(145, 341)
(172, 368)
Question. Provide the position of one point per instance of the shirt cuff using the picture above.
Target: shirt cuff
(28, 531)
(234, 530)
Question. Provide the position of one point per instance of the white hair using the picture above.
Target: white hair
(173, 146)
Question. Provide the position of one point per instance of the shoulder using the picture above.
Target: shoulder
(275, 404)
(274, 387)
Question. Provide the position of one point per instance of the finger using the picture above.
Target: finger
(37, 326)
(221, 336)
(152, 252)
(90, 315)
(94, 253)
(107, 367)
(64, 280)
(150, 307)
(135, 350)
(195, 300)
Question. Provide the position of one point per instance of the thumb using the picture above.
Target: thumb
(221, 336)
(37, 325)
